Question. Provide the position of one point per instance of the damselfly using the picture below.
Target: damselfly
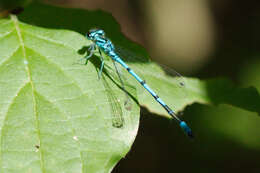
(103, 44)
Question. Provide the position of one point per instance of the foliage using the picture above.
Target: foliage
(56, 116)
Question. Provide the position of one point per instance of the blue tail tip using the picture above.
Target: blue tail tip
(186, 129)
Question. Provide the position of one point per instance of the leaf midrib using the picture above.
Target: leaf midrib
(18, 31)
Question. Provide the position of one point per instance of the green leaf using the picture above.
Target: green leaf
(55, 113)
(211, 92)
(214, 91)
(79, 20)
(56, 116)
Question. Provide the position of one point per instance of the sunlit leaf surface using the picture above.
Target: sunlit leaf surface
(55, 115)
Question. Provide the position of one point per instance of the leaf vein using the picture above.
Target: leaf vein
(49, 40)
(10, 56)
(6, 34)
(18, 31)
(4, 120)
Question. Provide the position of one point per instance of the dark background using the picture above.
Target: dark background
(202, 39)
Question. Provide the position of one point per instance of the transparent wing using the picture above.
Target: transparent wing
(144, 64)
(166, 82)
(116, 74)
(110, 79)
(116, 111)
(122, 79)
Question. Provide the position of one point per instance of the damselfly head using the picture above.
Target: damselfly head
(94, 33)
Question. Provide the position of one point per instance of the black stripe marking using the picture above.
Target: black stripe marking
(168, 109)
(156, 97)
(128, 69)
(142, 82)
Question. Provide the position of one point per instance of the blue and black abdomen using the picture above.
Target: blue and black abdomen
(98, 37)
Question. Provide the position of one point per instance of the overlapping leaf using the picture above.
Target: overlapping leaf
(55, 116)
(213, 91)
